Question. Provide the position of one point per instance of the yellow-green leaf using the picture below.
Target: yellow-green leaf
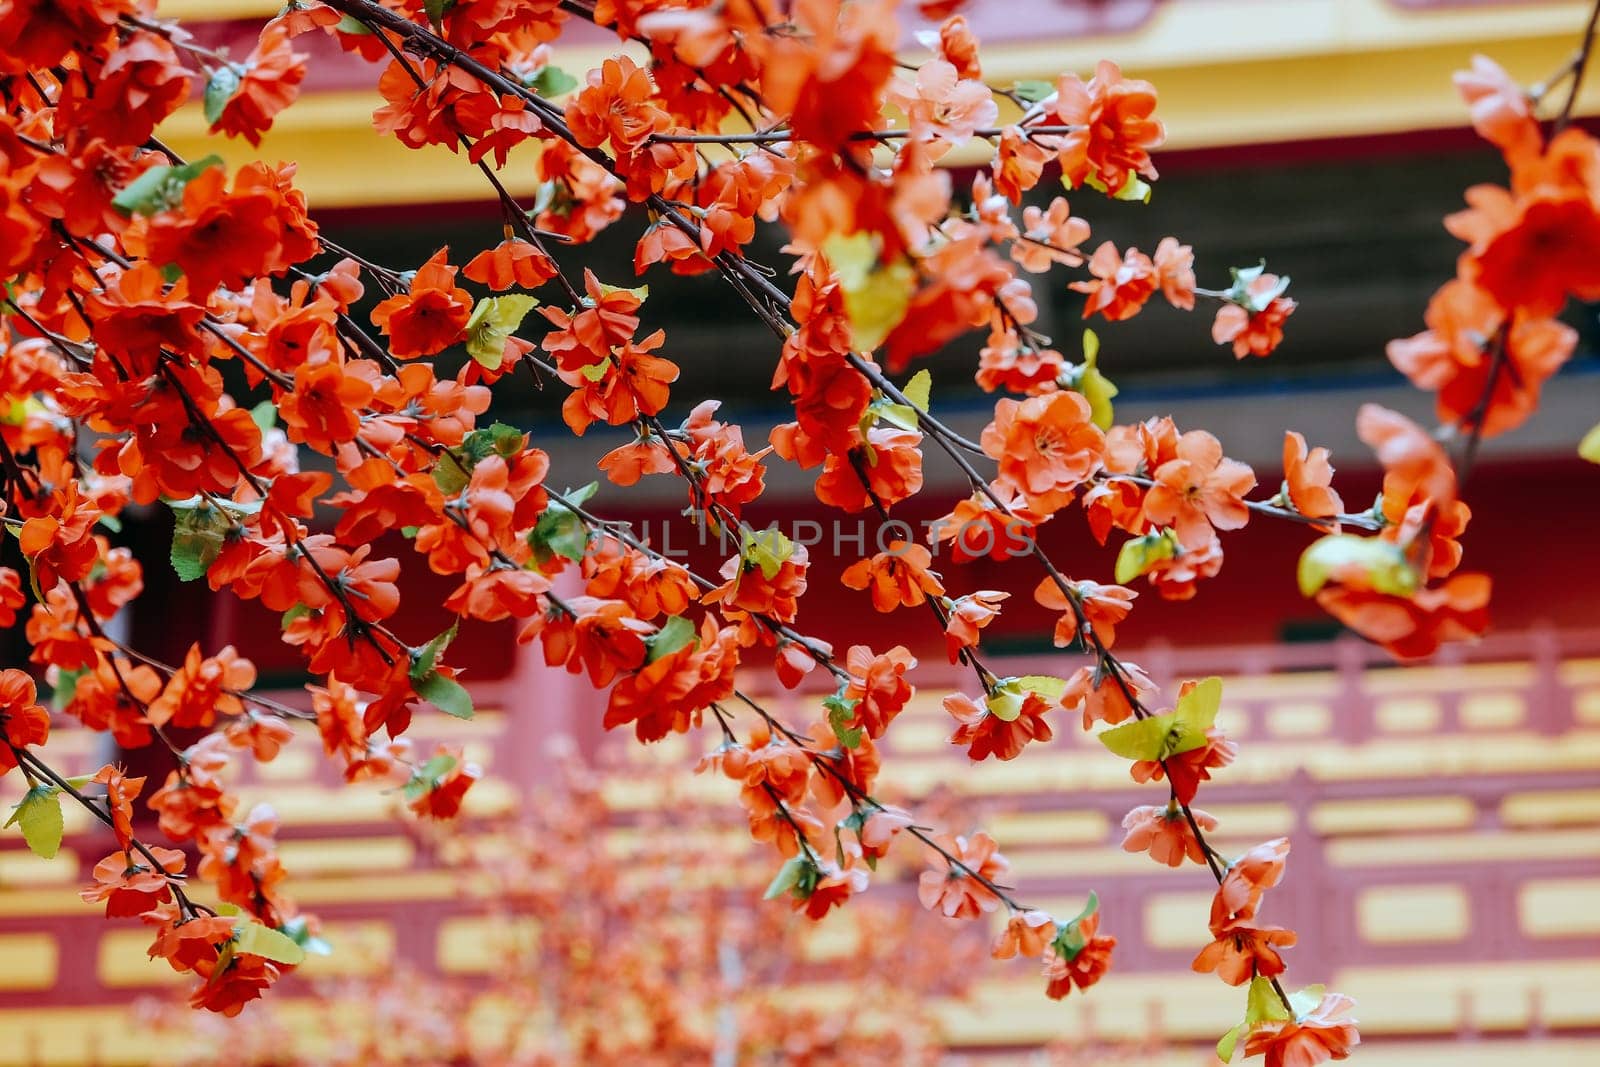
(493, 322)
(1140, 555)
(1179, 730)
(39, 815)
(1096, 387)
(1264, 1004)
(1005, 703)
(1045, 685)
(876, 294)
(1381, 564)
(1229, 1040)
(254, 939)
(1305, 1001)
(1589, 447)
(918, 389)
(766, 549)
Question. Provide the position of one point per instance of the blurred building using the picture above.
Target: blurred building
(1446, 819)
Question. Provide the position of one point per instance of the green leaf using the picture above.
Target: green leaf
(352, 26)
(425, 779)
(427, 657)
(1140, 555)
(66, 686)
(1179, 730)
(675, 633)
(559, 531)
(446, 694)
(296, 610)
(197, 538)
(1381, 564)
(552, 81)
(159, 188)
(224, 82)
(1589, 447)
(436, 11)
(1033, 91)
(1090, 906)
(841, 712)
(787, 878)
(264, 415)
(254, 939)
(1226, 1043)
(492, 323)
(39, 814)
(1243, 278)
(299, 930)
(1264, 1005)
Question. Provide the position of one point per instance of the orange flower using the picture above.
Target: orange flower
(1414, 465)
(217, 237)
(1189, 769)
(1321, 1034)
(1174, 265)
(1026, 933)
(879, 829)
(952, 891)
(747, 587)
(12, 598)
(1252, 874)
(1452, 357)
(1103, 607)
(1164, 832)
(203, 689)
(1413, 627)
(1175, 578)
(1530, 252)
(429, 318)
(958, 46)
(1500, 110)
(878, 682)
(1256, 327)
(943, 108)
(898, 577)
(976, 528)
(1123, 283)
(128, 885)
(513, 262)
(968, 615)
(1044, 447)
(120, 795)
(986, 733)
(1081, 968)
(1240, 953)
(22, 721)
(1116, 127)
(1100, 695)
(442, 796)
(1308, 479)
(894, 471)
(1050, 236)
(617, 105)
(1199, 490)
(1018, 164)
(268, 82)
